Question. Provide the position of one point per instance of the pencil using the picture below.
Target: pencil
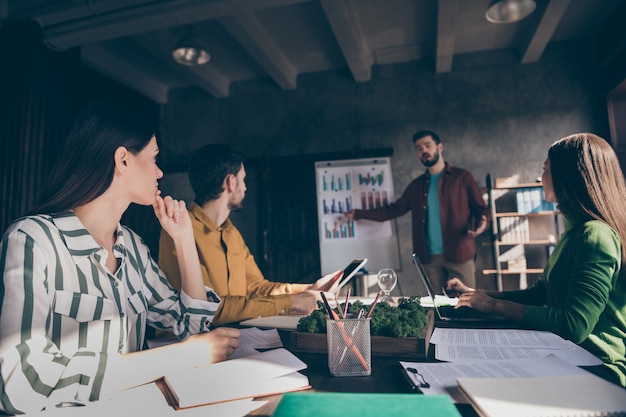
(369, 313)
(345, 307)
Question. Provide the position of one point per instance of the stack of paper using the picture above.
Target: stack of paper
(266, 373)
(456, 345)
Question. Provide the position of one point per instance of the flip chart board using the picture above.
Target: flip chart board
(355, 184)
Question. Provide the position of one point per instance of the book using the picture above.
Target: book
(336, 404)
(265, 373)
(556, 396)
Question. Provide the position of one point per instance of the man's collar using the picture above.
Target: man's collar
(447, 168)
(209, 225)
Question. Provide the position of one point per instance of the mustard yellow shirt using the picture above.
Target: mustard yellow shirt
(229, 269)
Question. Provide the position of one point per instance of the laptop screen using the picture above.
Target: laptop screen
(429, 288)
(422, 273)
(445, 312)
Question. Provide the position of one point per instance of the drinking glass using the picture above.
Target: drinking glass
(387, 280)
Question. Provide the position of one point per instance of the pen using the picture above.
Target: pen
(345, 307)
(331, 312)
(369, 313)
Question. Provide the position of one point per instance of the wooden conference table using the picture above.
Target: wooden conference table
(386, 377)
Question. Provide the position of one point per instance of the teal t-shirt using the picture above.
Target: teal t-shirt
(434, 237)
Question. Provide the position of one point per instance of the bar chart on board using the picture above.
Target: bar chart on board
(355, 184)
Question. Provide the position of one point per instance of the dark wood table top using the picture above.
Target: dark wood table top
(386, 377)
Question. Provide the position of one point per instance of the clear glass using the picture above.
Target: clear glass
(387, 280)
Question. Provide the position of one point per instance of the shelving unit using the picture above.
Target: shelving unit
(524, 230)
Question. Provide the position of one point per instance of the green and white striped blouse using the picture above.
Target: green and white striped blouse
(64, 316)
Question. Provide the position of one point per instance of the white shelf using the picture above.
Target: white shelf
(524, 232)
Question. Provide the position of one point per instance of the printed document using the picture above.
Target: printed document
(457, 345)
(442, 377)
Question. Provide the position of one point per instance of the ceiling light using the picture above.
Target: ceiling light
(191, 51)
(508, 11)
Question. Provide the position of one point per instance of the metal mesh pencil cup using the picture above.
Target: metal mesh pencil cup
(349, 347)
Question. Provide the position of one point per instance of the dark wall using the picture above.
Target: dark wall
(493, 115)
(41, 93)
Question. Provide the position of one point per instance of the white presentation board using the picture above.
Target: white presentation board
(355, 184)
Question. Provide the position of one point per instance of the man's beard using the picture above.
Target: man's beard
(430, 162)
(235, 205)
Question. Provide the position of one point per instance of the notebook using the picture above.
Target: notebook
(449, 313)
(556, 396)
(335, 404)
(265, 373)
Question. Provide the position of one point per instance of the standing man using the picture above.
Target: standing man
(448, 212)
(217, 176)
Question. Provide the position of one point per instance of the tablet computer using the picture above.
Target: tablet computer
(349, 271)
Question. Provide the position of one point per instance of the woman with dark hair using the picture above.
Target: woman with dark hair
(582, 293)
(78, 288)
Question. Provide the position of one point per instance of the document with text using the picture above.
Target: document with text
(457, 345)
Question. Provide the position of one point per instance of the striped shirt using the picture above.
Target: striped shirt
(64, 316)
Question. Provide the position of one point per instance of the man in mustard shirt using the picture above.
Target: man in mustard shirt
(217, 176)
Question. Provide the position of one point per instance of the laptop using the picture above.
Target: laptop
(449, 313)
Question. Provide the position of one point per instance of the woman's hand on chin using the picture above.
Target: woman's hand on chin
(173, 216)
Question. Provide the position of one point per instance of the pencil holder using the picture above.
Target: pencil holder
(349, 347)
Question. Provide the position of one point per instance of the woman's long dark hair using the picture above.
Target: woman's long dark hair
(588, 182)
(85, 167)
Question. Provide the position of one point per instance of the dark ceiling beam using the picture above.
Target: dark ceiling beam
(51, 13)
(447, 10)
(548, 24)
(206, 77)
(147, 17)
(257, 41)
(124, 72)
(345, 24)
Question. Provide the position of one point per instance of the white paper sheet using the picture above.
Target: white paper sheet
(442, 377)
(148, 400)
(440, 300)
(458, 345)
(499, 337)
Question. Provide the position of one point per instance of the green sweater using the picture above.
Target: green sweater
(582, 295)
